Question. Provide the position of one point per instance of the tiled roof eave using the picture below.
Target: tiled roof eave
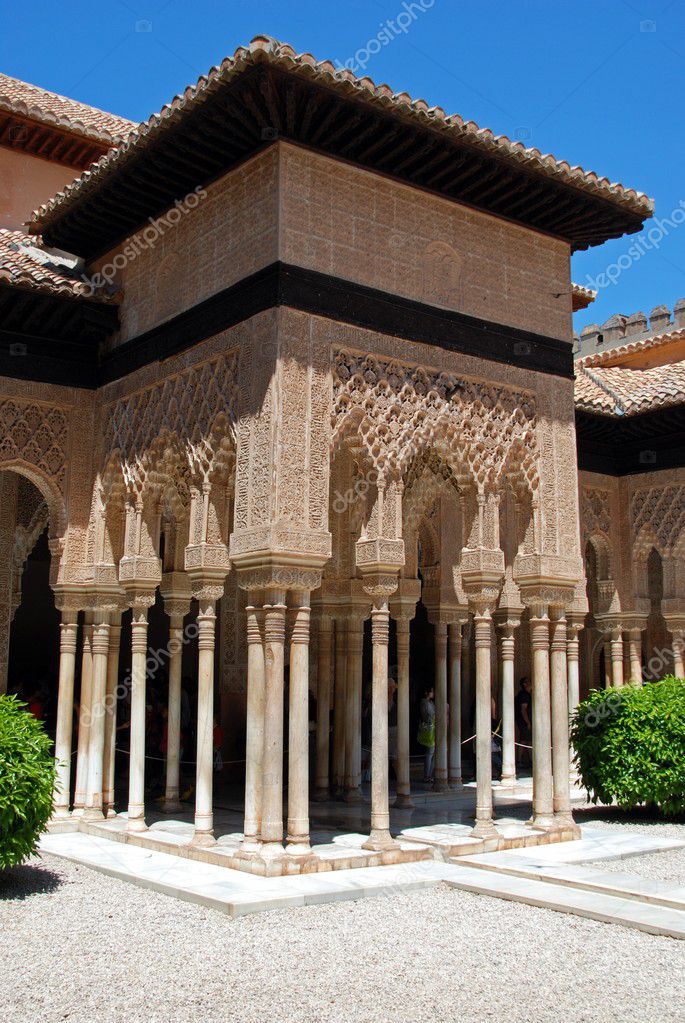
(265, 51)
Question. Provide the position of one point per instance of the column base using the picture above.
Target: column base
(484, 829)
(136, 824)
(77, 811)
(542, 821)
(202, 840)
(379, 840)
(353, 795)
(441, 785)
(111, 813)
(298, 847)
(61, 813)
(456, 782)
(509, 780)
(321, 795)
(92, 813)
(403, 802)
(172, 805)
(249, 848)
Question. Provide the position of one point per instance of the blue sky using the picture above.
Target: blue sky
(598, 83)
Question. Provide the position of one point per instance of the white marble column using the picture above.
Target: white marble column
(339, 704)
(608, 677)
(272, 774)
(98, 717)
(254, 735)
(353, 709)
(454, 742)
(403, 798)
(678, 649)
(297, 839)
(204, 777)
(617, 656)
(176, 609)
(140, 604)
(440, 783)
(543, 799)
(573, 668)
(323, 708)
(111, 702)
(560, 723)
(65, 711)
(380, 837)
(84, 714)
(506, 628)
(635, 654)
(484, 826)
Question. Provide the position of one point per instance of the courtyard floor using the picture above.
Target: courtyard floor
(81, 946)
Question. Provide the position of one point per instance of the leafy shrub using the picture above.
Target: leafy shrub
(27, 776)
(630, 745)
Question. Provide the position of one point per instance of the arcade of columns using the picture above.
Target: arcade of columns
(335, 483)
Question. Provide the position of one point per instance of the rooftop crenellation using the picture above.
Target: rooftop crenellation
(620, 329)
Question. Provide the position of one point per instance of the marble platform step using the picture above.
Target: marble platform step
(450, 841)
(587, 878)
(235, 892)
(544, 894)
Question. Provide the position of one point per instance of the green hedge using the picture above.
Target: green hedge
(27, 776)
(630, 745)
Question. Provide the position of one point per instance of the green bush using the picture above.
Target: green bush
(27, 776)
(630, 745)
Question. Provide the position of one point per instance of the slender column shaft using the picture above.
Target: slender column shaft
(403, 736)
(484, 808)
(353, 710)
(173, 755)
(560, 741)
(507, 645)
(455, 704)
(440, 784)
(204, 779)
(573, 669)
(339, 704)
(679, 653)
(543, 802)
(635, 654)
(84, 713)
(608, 674)
(136, 780)
(65, 712)
(573, 664)
(298, 730)
(323, 708)
(617, 658)
(108, 794)
(254, 737)
(380, 809)
(272, 777)
(96, 744)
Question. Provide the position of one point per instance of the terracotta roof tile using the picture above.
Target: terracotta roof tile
(26, 265)
(46, 107)
(605, 385)
(264, 49)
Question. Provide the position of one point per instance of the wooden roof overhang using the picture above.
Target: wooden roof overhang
(263, 104)
(48, 142)
(55, 337)
(625, 445)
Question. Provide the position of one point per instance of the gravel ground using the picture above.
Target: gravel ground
(667, 866)
(80, 946)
